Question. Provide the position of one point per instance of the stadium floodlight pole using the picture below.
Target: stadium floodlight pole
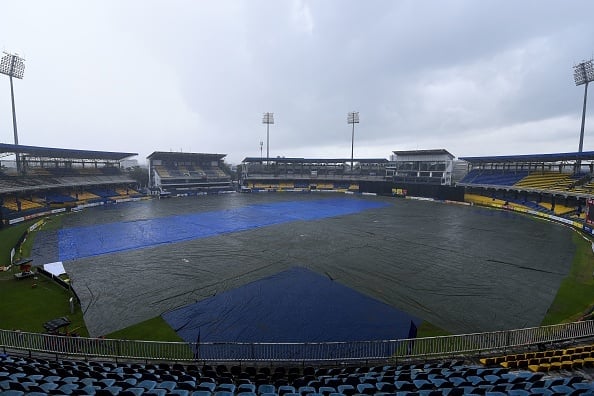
(13, 66)
(583, 73)
(353, 118)
(268, 119)
(261, 144)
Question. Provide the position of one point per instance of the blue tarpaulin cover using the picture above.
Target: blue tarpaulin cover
(79, 242)
(296, 305)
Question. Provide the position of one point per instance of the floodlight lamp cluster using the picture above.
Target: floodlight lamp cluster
(268, 118)
(353, 117)
(583, 72)
(12, 65)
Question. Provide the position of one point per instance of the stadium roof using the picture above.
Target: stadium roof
(556, 157)
(62, 153)
(424, 152)
(174, 155)
(317, 160)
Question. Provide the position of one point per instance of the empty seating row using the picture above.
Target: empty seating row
(84, 196)
(25, 375)
(18, 204)
(546, 181)
(103, 192)
(20, 184)
(493, 177)
(548, 360)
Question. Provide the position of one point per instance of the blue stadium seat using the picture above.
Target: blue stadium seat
(167, 385)
(365, 388)
(405, 386)
(305, 390)
(88, 381)
(113, 390)
(326, 390)
(48, 386)
(225, 393)
(147, 384)
(176, 392)
(206, 385)
(11, 392)
(132, 392)
(229, 387)
(246, 394)
(107, 382)
(202, 393)
(266, 388)
(68, 388)
(518, 392)
(242, 388)
(285, 389)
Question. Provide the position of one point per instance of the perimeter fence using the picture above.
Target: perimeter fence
(353, 351)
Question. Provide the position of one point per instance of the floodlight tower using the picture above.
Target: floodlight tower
(583, 73)
(13, 66)
(268, 119)
(353, 118)
(261, 144)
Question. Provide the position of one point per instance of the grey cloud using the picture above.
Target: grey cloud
(473, 77)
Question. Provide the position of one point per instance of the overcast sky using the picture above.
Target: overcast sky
(474, 77)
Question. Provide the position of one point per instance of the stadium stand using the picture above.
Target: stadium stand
(332, 174)
(536, 172)
(21, 375)
(44, 176)
(188, 173)
(493, 177)
(557, 184)
(16, 204)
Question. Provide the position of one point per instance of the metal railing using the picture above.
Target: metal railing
(430, 347)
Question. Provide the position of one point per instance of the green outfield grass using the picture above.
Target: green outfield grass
(9, 238)
(155, 329)
(426, 329)
(28, 303)
(575, 296)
